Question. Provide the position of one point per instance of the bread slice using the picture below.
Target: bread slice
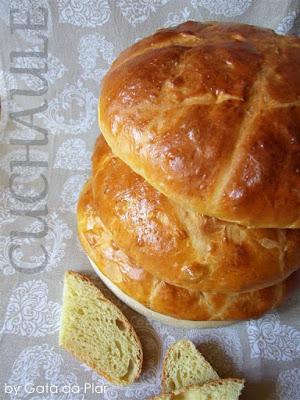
(183, 366)
(222, 389)
(95, 331)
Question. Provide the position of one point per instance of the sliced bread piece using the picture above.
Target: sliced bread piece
(183, 366)
(222, 389)
(95, 331)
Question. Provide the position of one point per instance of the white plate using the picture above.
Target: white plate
(141, 309)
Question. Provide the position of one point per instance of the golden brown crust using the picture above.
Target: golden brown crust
(158, 295)
(182, 247)
(209, 115)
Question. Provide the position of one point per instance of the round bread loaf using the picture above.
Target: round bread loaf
(157, 295)
(209, 115)
(182, 247)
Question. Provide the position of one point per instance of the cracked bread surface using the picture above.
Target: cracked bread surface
(209, 114)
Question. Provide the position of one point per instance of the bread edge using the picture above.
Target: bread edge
(163, 378)
(180, 391)
(93, 282)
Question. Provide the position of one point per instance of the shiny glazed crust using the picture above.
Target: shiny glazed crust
(209, 115)
(182, 247)
(158, 295)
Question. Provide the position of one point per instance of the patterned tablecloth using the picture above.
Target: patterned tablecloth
(47, 130)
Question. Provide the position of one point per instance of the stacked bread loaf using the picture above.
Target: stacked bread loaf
(193, 206)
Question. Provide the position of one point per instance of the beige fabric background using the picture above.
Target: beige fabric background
(83, 39)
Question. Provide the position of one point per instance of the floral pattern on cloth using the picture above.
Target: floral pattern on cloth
(271, 340)
(86, 13)
(138, 11)
(70, 192)
(288, 384)
(73, 111)
(41, 362)
(72, 154)
(30, 313)
(228, 8)
(83, 38)
(90, 48)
